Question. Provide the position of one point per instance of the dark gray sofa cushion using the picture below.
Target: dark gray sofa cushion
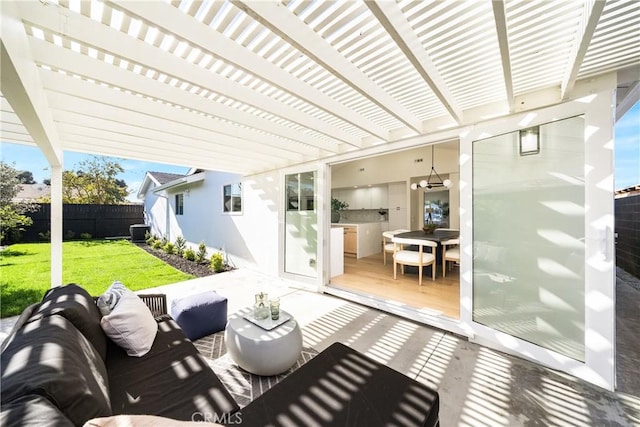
(32, 411)
(51, 358)
(342, 387)
(77, 306)
(20, 322)
(172, 380)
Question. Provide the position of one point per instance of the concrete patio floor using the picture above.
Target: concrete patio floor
(478, 386)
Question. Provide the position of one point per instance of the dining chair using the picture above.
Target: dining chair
(450, 254)
(418, 258)
(387, 243)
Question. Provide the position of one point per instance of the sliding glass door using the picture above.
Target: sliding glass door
(529, 235)
(301, 224)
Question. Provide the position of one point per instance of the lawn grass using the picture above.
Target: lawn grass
(25, 270)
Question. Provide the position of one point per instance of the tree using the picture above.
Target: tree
(26, 177)
(94, 182)
(12, 218)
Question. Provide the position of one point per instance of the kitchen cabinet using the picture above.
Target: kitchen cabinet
(345, 195)
(397, 206)
(360, 239)
(374, 197)
(361, 198)
(351, 241)
(379, 197)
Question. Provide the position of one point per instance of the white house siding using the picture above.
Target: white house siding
(155, 212)
(250, 238)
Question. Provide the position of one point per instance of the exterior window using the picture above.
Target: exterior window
(179, 204)
(232, 198)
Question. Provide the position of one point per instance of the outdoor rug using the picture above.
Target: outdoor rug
(243, 386)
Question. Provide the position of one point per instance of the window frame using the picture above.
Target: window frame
(233, 199)
(179, 203)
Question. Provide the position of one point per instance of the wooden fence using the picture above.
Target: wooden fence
(98, 220)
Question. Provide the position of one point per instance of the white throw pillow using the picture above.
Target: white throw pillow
(109, 299)
(131, 325)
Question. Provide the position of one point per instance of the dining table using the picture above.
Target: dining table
(437, 235)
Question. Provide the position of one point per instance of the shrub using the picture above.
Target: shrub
(201, 255)
(189, 254)
(181, 243)
(169, 248)
(149, 238)
(157, 244)
(85, 236)
(217, 262)
(13, 224)
(46, 236)
(69, 235)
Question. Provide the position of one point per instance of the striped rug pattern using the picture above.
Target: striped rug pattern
(243, 386)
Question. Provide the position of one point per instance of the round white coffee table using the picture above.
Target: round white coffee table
(261, 351)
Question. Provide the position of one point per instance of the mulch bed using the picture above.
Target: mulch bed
(179, 263)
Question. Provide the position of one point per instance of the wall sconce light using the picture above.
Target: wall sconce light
(530, 141)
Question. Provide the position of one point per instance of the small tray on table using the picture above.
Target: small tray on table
(267, 323)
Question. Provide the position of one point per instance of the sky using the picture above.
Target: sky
(31, 159)
(627, 146)
(627, 161)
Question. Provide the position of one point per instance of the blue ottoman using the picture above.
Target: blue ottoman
(200, 314)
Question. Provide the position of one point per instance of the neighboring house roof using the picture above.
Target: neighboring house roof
(629, 191)
(32, 192)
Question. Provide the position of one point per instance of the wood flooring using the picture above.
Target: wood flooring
(370, 276)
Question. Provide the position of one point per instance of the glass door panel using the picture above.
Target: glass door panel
(301, 225)
(529, 235)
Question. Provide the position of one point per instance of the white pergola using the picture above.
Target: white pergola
(252, 86)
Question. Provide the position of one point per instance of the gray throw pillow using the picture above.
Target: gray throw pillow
(110, 298)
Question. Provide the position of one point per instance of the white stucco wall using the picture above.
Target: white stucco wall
(155, 212)
(249, 238)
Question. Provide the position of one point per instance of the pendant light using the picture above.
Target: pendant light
(433, 180)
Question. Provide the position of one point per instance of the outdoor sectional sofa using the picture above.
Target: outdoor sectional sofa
(58, 368)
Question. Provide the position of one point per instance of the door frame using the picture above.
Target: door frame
(308, 282)
(598, 108)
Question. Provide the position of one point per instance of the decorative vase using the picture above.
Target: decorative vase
(335, 216)
(261, 306)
